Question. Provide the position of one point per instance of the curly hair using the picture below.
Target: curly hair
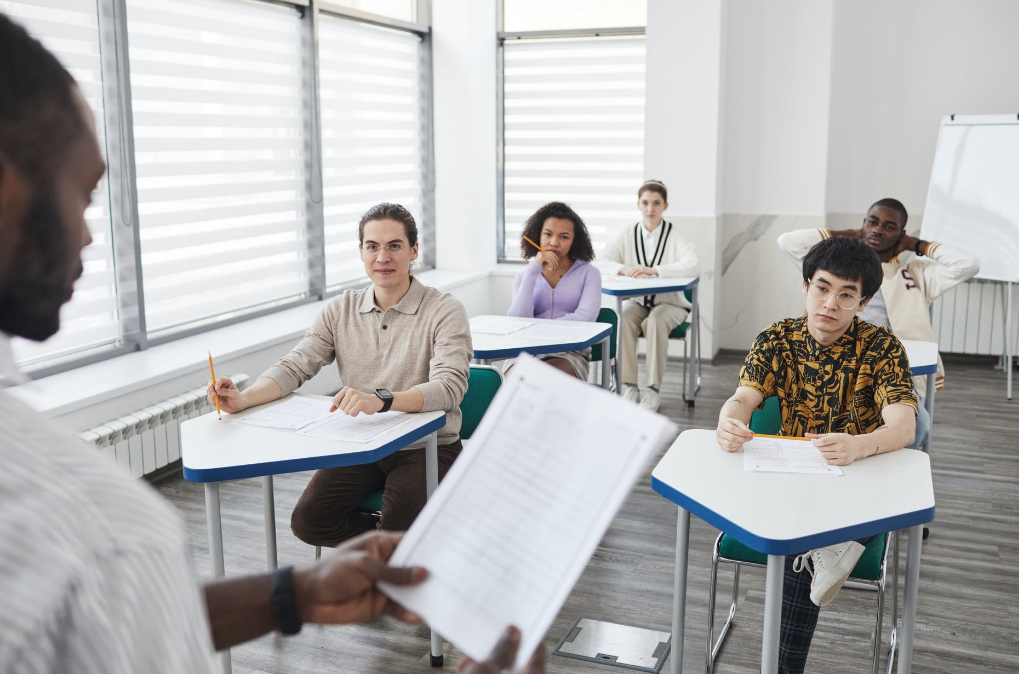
(581, 248)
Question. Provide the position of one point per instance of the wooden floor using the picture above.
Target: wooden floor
(968, 615)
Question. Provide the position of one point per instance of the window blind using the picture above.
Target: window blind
(70, 29)
(573, 125)
(220, 148)
(373, 132)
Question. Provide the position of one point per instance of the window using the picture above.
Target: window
(404, 10)
(520, 15)
(220, 154)
(70, 29)
(373, 132)
(573, 131)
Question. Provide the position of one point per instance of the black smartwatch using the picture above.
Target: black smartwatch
(916, 248)
(386, 397)
(284, 602)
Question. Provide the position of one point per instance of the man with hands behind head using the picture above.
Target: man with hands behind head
(841, 382)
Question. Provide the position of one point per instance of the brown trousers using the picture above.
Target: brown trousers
(326, 513)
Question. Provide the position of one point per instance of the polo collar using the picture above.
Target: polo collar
(410, 303)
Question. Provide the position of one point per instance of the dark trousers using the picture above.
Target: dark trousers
(799, 617)
(326, 513)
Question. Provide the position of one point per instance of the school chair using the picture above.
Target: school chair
(607, 315)
(870, 571)
(482, 385)
(680, 332)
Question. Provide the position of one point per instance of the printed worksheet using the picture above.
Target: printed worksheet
(785, 455)
(498, 325)
(550, 333)
(362, 428)
(292, 414)
(513, 524)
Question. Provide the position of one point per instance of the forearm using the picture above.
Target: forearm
(264, 390)
(854, 233)
(411, 400)
(886, 439)
(736, 408)
(523, 292)
(240, 609)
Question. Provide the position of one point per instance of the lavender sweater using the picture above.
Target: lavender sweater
(577, 296)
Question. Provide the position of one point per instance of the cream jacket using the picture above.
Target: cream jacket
(678, 260)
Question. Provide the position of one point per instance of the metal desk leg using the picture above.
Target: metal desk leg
(679, 589)
(214, 523)
(928, 403)
(772, 614)
(269, 501)
(431, 482)
(1008, 340)
(619, 330)
(909, 599)
(606, 370)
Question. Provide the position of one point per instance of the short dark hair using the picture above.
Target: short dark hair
(388, 211)
(895, 205)
(581, 249)
(846, 257)
(654, 186)
(39, 116)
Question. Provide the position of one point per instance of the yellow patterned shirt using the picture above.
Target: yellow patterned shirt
(840, 388)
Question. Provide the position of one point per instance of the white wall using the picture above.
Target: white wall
(464, 81)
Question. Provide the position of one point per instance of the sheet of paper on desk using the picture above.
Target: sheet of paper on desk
(613, 277)
(498, 325)
(515, 521)
(549, 332)
(362, 428)
(289, 415)
(785, 455)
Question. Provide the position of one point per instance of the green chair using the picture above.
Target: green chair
(870, 571)
(680, 332)
(482, 386)
(607, 315)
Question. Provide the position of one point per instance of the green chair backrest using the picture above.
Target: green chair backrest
(606, 315)
(481, 388)
(767, 420)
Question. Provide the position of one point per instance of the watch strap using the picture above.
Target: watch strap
(284, 601)
(387, 401)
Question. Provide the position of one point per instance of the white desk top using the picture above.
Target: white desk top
(923, 356)
(646, 286)
(491, 347)
(783, 514)
(214, 450)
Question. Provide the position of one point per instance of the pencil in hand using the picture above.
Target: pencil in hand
(213, 373)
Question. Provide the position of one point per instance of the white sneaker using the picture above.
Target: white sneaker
(631, 393)
(651, 400)
(830, 568)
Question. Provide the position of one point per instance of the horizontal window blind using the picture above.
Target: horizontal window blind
(220, 147)
(373, 132)
(70, 29)
(573, 131)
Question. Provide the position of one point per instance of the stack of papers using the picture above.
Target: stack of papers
(311, 417)
(515, 521)
(785, 455)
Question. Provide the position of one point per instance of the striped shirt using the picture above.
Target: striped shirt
(94, 570)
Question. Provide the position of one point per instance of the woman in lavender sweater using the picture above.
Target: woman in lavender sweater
(560, 282)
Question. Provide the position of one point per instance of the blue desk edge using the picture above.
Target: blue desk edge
(314, 462)
(667, 288)
(769, 546)
(495, 354)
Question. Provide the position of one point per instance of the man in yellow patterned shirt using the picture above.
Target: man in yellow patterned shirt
(843, 383)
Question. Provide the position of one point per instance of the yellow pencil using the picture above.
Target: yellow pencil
(534, 244)
(213, 373)
(782, 437)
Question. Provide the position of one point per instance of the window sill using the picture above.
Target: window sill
(76, 389)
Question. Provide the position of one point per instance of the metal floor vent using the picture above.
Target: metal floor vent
(616, 645)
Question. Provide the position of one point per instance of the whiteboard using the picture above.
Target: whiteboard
(973, 199)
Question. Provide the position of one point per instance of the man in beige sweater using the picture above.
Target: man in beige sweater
(398, 345)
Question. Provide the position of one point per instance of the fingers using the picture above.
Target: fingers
(394, 610)
(536, 665)
(338, 399)
(397, 575)
(505, 651)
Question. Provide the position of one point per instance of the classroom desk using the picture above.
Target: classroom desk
(214, 451)
(489, 347)
(923, 360)
(652, 286)
(778, 515)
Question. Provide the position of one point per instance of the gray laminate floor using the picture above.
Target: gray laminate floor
(968, 615)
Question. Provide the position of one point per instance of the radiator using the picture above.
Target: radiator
(149, 439)
(970, 319)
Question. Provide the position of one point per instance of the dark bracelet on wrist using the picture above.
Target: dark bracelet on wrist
(284, 601)
(916, 248)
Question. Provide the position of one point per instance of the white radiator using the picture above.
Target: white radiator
(970, 319)
(147, 440)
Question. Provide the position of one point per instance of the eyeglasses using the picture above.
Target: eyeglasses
(844, 300)
(373, 248)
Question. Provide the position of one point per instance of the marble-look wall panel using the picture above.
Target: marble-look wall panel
(760, 284)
